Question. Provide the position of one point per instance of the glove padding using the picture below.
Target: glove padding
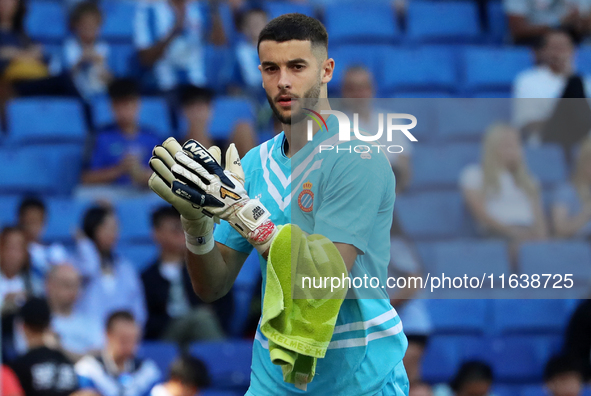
(220, 191)
(195, 221)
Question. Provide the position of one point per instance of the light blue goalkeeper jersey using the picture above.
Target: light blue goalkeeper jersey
(349, 198)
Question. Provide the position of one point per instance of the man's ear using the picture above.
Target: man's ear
(327, 70)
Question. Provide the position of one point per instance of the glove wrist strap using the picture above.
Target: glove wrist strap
(200, 245)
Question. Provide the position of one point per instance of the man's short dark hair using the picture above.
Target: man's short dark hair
(30, 202)
(295, 26)
(190, 371)
(561, 364)
(189, 94)
(35, 314)
(124, 88)
(164, 212)
(118, 315)
(83, 8)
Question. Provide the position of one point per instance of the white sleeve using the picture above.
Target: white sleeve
(471, 178)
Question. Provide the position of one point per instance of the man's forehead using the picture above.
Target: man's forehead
(285, 51)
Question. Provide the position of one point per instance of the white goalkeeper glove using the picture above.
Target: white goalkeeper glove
(221, 192)
(197, 224)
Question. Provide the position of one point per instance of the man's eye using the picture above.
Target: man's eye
(298, 67)
(270, 68)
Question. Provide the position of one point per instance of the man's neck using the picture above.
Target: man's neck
(323, 104)
(129, 130)
(119, 363)
(62, 310)
(35, 341)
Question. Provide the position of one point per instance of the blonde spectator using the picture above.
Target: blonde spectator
(501, 194)
(571, 206)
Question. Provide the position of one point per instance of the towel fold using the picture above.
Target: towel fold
(299, 330)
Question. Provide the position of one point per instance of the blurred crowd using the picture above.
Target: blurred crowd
(86, 310)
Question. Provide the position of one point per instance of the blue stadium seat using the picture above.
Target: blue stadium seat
(521, 359)
(64, 218)
(425, 68)
(503, 94)
(458, 316)
(28, 174)
(8, 209)
(277, 8)
(45, 120)
(226, 113)
(228, 362)
(440, 165)
(118, 17)
(547, 163)
(140, 255)
(497, 22)
(583, 59)
(472, 258)
(162, 353)
(432, 215)
(355, 23)
(443, 22)
(445, 354)
(346, 56)
(154, 114)
(507, 61)
(529, 316)
(122, 59)
(468, 119)
(507, 390)
(554, 257)
(37, 24)
(245, 286)
(135, 217)
(64, 161)
(219, 67)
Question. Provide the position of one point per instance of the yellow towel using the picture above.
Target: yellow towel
(299, 331)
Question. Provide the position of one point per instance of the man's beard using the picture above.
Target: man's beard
(311, 96)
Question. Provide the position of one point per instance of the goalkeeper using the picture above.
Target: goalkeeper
(349, 200)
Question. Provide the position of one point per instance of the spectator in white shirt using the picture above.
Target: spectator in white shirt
(529, 20)
(85, 55)
(539, 111)
(170, 36)
(78, 332)
(501, 194)
(32, 216)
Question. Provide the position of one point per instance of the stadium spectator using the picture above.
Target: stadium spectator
(118, 371)
(175, 313)
(420, 388)
(358, 88)
(250, 23)
(529, 20)
(43, 370)
(9, 385)
(197, 109)
(78, 332)
(548, 118)
(501, 194)
(170, 37)
(563, 376)
(15, 280)
(32, 216)
(571, 207)
(577, 344)
(84, 54)
(113, 283)
(187, 377)
(474, 378)
(121, 151)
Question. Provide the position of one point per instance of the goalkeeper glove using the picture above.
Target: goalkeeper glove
(197, 224)
(221, 192)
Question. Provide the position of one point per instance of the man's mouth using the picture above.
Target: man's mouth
(284, 101)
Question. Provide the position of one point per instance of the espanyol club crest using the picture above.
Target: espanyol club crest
(306, 198)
